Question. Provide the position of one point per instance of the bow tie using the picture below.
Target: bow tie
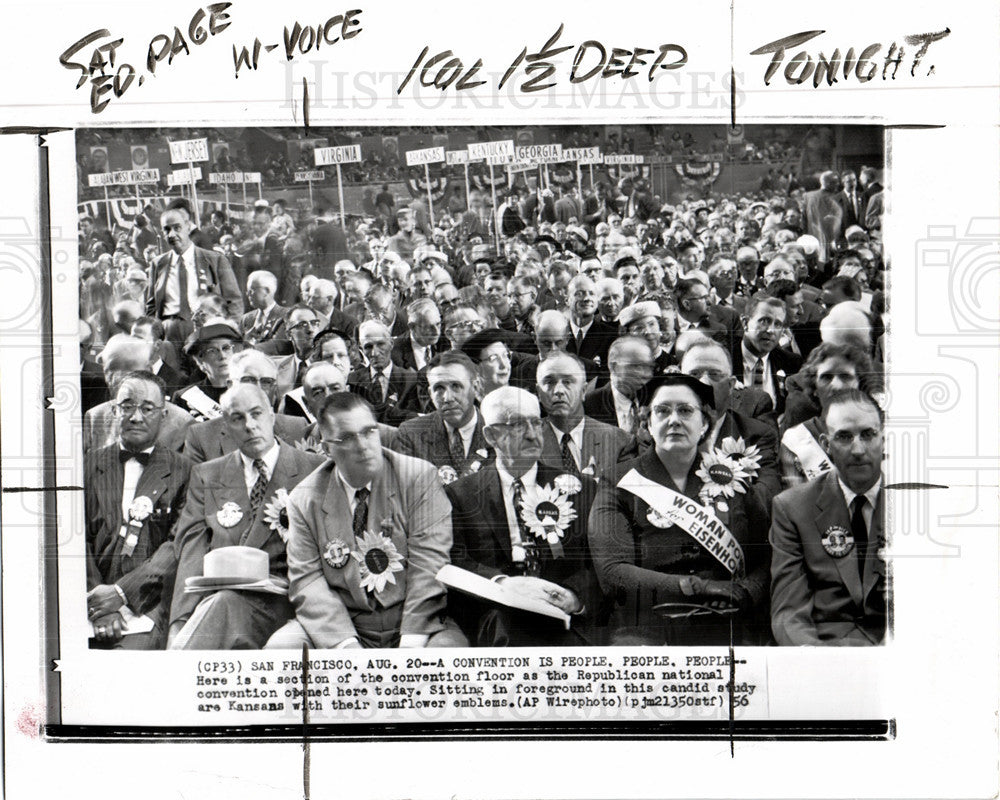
(128, 455)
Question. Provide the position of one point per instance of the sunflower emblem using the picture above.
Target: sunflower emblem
(377, 559)
(721, 476)
(547, 512)
(747, 456)
(276, 513)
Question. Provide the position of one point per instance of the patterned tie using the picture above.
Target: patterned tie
(182, 283)
(360, 512)
(758, 373)
(531, 565)
(859, 530)
(456, 447)
(378, 381)
(260, 485)
(569, 463)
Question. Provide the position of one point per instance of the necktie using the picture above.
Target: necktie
(633, 417)
(579, 340)
(859, 530)
(531, 565)
(257, 492)
(758, 373)
(360, 512)
(378, 381)
(182, 283)
(456, 448)
(128, 455)
(569, 463)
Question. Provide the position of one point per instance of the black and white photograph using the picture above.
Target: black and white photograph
(572, 400)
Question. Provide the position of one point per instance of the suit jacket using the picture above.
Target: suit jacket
(816, 598)
(427, 438)
(402, 352)
(100, 427)
(596, 342)
(213, 484)
(780, 360)
(273, 327)
(482, 538)
(207, 440)
(605, 445)
(172, 378)
(752, 402)
(401, 401)
(217, 274)
(328, 600)
(145, 576)
(600, 405)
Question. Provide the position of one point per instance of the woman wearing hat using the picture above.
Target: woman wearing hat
(678, 542)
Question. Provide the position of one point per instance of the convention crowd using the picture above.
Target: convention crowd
(539, 418)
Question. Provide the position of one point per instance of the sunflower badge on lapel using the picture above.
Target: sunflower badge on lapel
(276, 513)
(722, 478)
(378, 559)
(747, 456)
(138, 512)
(547, 513)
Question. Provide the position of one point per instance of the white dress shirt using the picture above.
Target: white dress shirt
(130, 479)
(575, 441)
(623, 409)
(172, 291)
(421, 355)
(528, 480)
(579, 334)
(749, 362)
(250, 471)
(467, 431)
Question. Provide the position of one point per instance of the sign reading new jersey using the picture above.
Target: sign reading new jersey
(190, 150)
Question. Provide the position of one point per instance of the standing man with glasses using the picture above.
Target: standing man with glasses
(368, 533)
(180, 275)
(207, 440)
(237, 499)
(828, 582)
(212, 347)
(135, 489)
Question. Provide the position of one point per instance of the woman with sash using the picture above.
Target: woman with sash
(678, 541)
(830, 368)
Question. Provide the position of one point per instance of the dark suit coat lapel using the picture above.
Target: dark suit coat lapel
(831, 510)
(593, 446)
(493, 508)
(109, 488)
(286, 474)
(873, 569)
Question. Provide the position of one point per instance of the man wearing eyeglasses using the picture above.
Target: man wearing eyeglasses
(521, 294)
(234, 500)
(368, 533)
(460, 322)
(491, 513)
(267, 320)
(828, 584)
(179, 276)
(134, 491)
(212, 347)
(696, 311)
(211, 439)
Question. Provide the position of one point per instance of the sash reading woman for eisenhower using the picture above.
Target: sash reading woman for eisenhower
(699, 522)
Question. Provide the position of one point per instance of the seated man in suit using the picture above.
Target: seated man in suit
(267, 320)
(416, 348)
(120, 356)
(582, 445)
(694, 310)
(827, 571)
(368, 533)
(630, 361)
(134, 491)
(320, 381)
(758, 361)
(499, 534)
(207, 440)
(237, 499)
(163, 360)
(391, 390)
(451, 438)
(590, 337)
(708, 361)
